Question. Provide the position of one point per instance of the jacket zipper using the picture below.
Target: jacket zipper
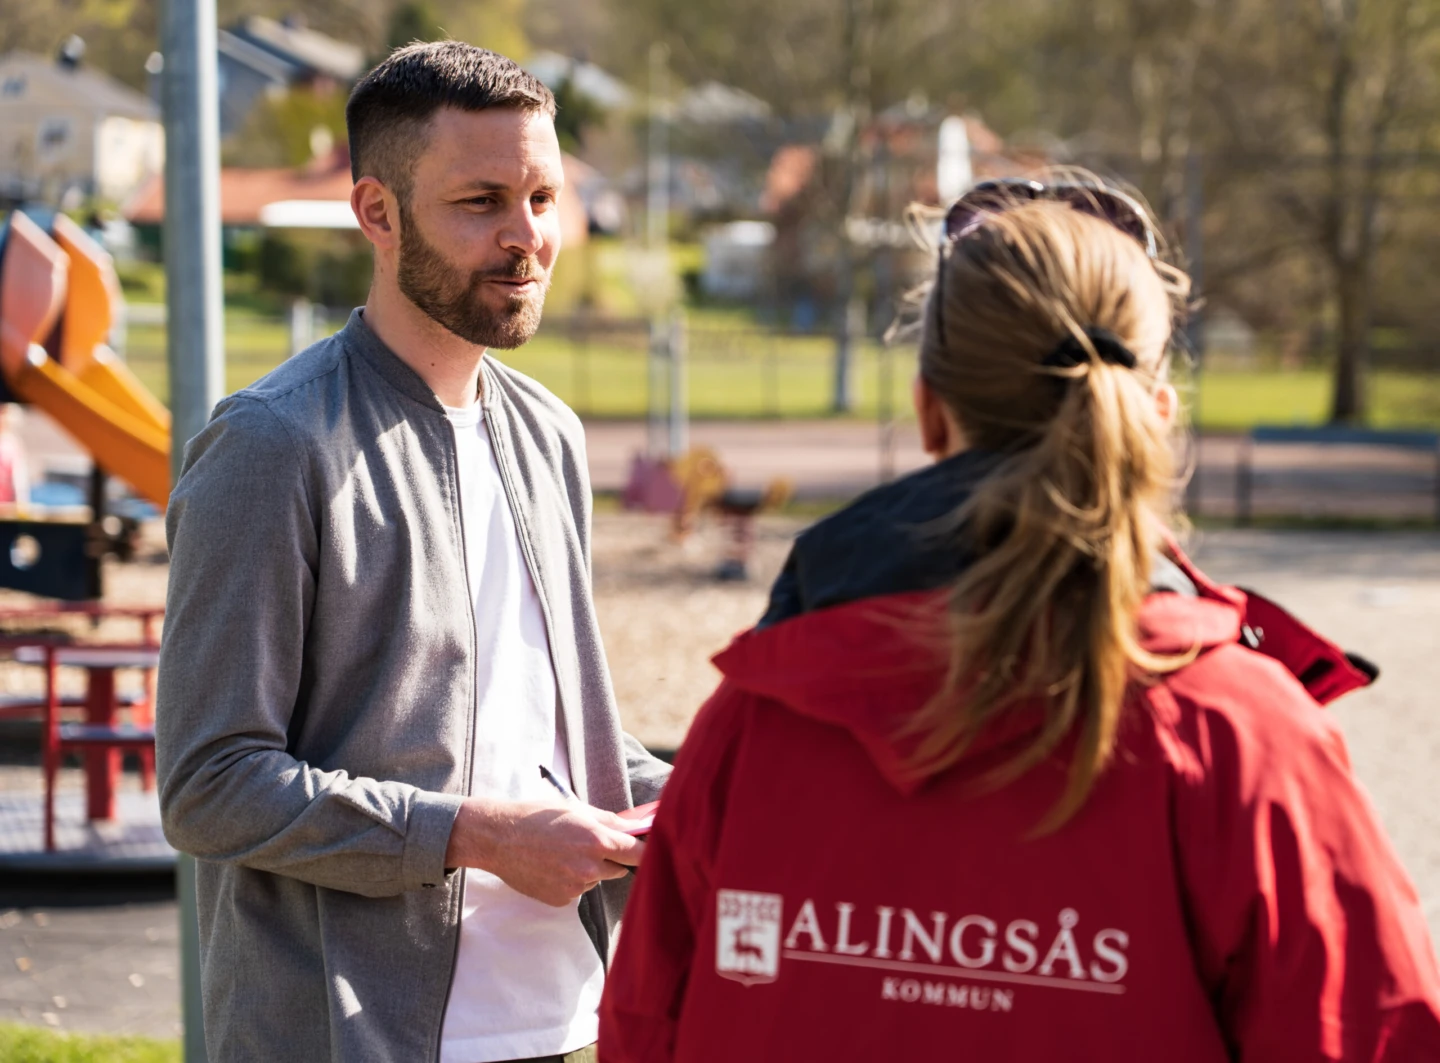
(522, 531)
(523, 534)
(458, 904)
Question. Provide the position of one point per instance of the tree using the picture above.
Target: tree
(281, 131)
(812, 59)
(575, 114)
(494, 24)
(1300, 128)
(1333, 102)
(1309, 117)
(118, 34)
(413, 20)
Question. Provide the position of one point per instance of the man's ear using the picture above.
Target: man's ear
(378, 212)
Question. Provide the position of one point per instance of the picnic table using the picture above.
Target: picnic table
(101, 735)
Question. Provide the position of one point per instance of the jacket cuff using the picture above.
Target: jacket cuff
(427, 835)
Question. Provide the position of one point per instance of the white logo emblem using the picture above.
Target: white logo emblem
(747, 943)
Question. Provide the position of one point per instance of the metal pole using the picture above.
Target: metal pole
(190, 1001)
(657, 241)
(886, 409)
(1195, 327)
(858, 33)
(194, 326)
(657, 191)
(302, 325)
(679, 394)
(657, 362)
(195, 323)
(852, 336)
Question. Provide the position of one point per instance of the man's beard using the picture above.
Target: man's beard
(456, 301)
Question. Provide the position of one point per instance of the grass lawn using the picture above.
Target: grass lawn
(1236, 400)
(731, 372)
(735, 370)
(29, 1044)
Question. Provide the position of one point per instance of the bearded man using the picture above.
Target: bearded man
(380, 629)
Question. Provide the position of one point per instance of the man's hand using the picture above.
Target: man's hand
(552, 852)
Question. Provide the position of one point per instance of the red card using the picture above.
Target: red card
(639, 820)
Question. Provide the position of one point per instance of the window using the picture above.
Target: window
(52, 139)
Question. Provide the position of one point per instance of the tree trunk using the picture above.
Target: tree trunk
(1348, 399)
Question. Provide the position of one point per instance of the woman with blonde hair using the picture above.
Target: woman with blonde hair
(1001, 775)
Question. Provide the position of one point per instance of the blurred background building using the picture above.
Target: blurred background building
(70, 133)
(262, 58)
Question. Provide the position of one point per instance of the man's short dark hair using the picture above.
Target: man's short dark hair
(390, 107)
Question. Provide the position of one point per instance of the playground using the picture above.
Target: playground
(77, 958)
(114, 968)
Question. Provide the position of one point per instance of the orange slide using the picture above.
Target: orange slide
(70, 281)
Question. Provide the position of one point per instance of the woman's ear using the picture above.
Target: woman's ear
(940, 433)
(1167, 403)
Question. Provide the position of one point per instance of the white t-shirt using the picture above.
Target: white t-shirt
(527, 978)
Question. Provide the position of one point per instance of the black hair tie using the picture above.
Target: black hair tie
(1108, 346)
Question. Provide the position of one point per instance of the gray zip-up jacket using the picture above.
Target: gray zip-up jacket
(317, 692)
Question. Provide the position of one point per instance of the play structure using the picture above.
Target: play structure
(59, 297)
(697, 483)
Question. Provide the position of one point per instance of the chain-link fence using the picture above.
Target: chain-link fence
(603, 367)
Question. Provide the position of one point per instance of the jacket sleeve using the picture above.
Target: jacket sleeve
(1307, 932)
(648, 774)
(244, 549)
(640, 1011)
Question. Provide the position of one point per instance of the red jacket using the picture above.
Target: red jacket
(1225, 893)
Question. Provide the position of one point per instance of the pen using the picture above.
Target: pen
(548, 776)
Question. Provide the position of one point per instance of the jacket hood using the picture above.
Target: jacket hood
(855, 634)
(868, 665)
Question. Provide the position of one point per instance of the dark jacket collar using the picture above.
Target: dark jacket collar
(890, 540)
(897, 539)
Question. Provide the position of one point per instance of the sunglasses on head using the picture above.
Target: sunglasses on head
(990, 198)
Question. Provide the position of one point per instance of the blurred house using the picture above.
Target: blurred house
(261, 57)
(901, 164)
(714, 130)
(737, 260)
(601, 87)
(606, 211)
(713, 104)
(70, 133)
(251, 198)
(901, 156)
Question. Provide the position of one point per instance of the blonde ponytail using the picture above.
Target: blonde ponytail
(1065, 529)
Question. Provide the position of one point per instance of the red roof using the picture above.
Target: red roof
(245, 192)
(794, 167)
